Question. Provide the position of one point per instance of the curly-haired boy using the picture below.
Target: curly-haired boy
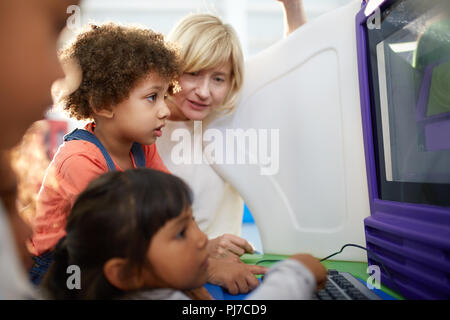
(126, 75)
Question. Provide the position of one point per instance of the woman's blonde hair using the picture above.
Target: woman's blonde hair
(206, 42)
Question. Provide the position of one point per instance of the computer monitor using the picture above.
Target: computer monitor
(404, 81)
(334, 182)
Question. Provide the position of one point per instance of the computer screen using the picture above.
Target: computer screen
(404, 79)
(410, 71)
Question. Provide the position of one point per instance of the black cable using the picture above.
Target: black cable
(370, 252)
(267, 260)
(340, 251)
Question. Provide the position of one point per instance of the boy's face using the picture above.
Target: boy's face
(142, 115)
(202, 92)
(28, 33)
(178, 255)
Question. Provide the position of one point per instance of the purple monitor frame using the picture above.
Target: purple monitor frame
(412, 240)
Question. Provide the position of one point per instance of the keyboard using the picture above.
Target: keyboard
(344, 286)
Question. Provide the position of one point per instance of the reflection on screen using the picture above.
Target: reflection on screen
(413, 66)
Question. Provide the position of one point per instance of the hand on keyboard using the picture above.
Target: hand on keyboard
(314, 265)
(343, 286)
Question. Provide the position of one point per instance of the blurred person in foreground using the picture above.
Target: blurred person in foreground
(26, 26)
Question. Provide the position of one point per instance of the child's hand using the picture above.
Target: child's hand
(234, 275)
(314, 265)
(63, 87)
(228, 245)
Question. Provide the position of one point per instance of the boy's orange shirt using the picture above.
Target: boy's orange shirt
(75, 164)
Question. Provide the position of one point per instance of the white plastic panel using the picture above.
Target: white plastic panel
(306, 86)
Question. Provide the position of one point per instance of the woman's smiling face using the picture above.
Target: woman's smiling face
(201, 92)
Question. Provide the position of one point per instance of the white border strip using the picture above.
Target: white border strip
(384, 110)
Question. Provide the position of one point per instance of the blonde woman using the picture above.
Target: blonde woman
(210, 83)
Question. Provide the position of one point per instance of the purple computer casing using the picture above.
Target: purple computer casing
(411, 240)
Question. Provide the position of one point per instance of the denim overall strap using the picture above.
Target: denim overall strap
(136, 149)
(138, 154)
(80, 134)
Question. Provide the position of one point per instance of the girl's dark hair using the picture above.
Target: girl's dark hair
(116, 216)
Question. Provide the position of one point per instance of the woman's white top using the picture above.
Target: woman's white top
(217, 207)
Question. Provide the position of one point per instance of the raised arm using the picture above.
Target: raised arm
(294, 15)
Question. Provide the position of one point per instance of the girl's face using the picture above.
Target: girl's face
(142, 115)
(178, 255)
(201, 92)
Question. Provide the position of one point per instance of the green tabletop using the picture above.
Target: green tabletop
(357, 269)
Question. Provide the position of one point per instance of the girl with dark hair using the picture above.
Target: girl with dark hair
(132, 236)
(109, 231)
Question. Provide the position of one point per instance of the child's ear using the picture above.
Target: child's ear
(115, 272)
(105, 113)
